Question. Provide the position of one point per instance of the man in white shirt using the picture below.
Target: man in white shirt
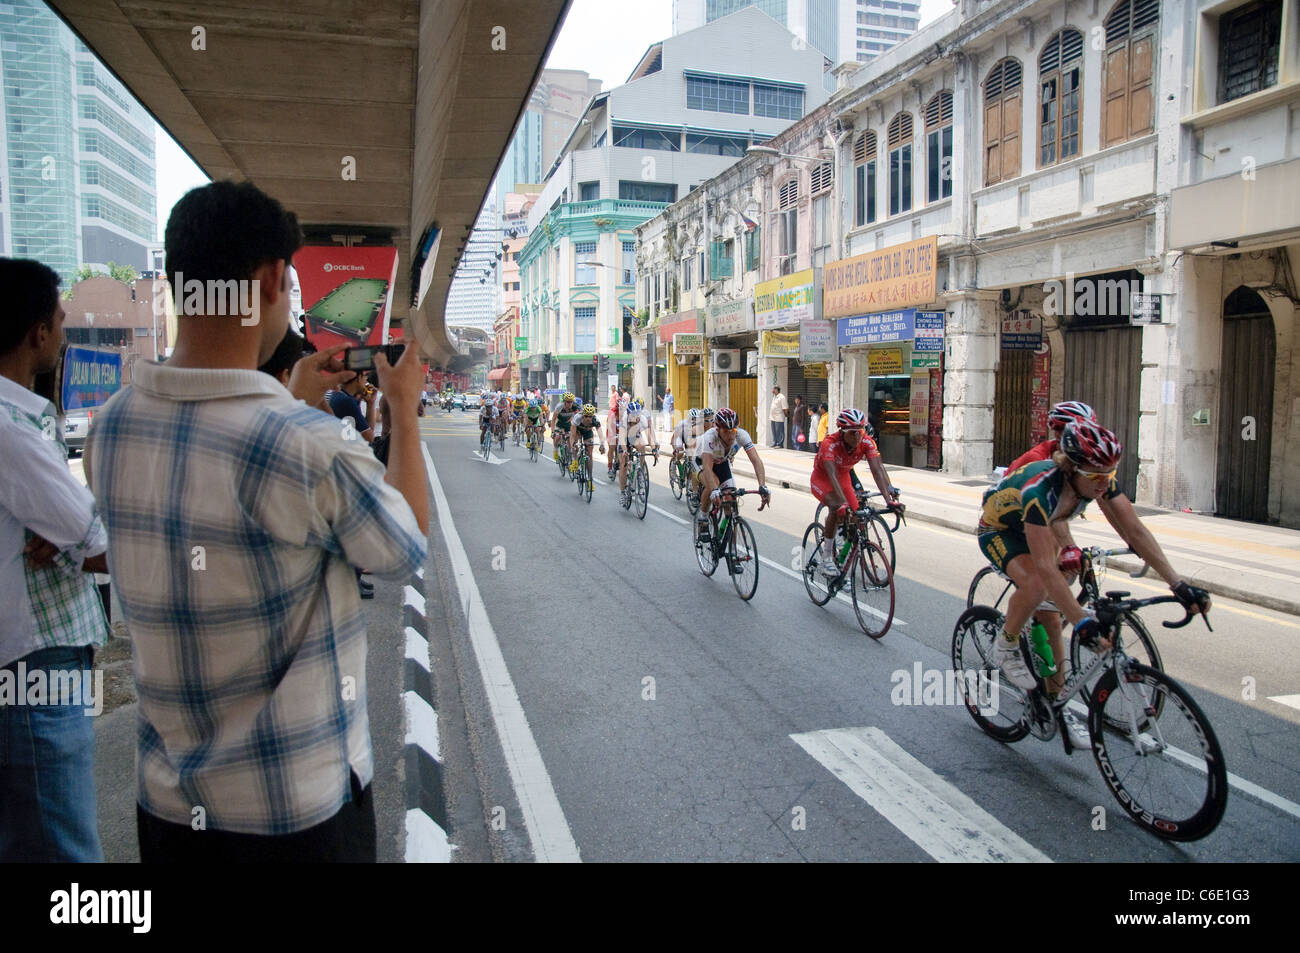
(776, 416)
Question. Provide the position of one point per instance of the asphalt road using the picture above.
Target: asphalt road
(659, 717)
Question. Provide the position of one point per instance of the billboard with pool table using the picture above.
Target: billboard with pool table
(347, 293)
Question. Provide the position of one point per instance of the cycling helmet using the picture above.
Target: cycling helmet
(726, 419)
(568, 398)
(532, 402)
(634, 407)
(850, 419)
(1090, 446)
(707, 413)
(589, 410)
(1067, 411)
(695, 413)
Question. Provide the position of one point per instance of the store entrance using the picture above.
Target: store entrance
(889, 410)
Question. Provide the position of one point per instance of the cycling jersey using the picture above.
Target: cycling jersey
(632, 428)
(563, 417)
(1031, 495)
(683, 436)
(1042, 451)
(585, 430)
(833, 450)
(534, 414)
(711, 443)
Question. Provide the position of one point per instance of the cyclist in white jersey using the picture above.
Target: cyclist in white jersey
(714, 452)
(688, 431)
(633, 425)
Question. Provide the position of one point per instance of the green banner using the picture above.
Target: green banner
(521, 344)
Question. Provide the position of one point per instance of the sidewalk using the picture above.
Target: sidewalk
(1253, 562)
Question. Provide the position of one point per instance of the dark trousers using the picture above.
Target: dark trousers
(347, 837)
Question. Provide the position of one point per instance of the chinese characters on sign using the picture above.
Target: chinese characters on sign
(1038, 399)
(729, 317)
(899, 277)
(1022, 332)
(688, 344)
(929, 331)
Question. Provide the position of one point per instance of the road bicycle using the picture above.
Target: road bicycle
(692, 491)
(637, 488)
(560, 439)
(1154, 747)
(729, 537)
(500, 428)
(861, 565)
(878, 529)
(679, 472)
(534, 444)
(991, 587)
(583, 475)
(485, 443)
(517, 431)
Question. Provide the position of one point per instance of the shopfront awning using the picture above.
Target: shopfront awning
(687, 322)
(498, 374)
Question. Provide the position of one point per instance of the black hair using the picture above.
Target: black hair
(225, 231)
(286, 354)
(30, 292)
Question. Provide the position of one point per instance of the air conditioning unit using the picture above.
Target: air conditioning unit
(725, 361)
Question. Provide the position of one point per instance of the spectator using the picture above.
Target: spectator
(798, 424)
(232, 514)
(50, 544)
(380, 444)
(776, 416)
(823, 425)
(813, 423)
(286, 354)
(667, 401)
(345, 403)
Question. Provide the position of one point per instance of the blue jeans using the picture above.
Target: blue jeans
(47, 773)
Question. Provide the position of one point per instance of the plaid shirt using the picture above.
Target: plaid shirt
(59, 605)
(233, 512)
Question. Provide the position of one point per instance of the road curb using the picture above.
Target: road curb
(426, 823)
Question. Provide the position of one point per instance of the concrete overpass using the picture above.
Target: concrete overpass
(422, 94)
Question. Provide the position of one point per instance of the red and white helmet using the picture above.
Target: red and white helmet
(1090, 446)
(726, 418)
(1069, 411)
(851, 419)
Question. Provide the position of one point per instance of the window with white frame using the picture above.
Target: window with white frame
(584, 269)
(938, 147)
(584, 329)
(788, 225)
(821, 222)
(628, 276)
(687, 267)
(717, 95)
(900, 164)
(1060, 67)
(778, 102)
(864, 179)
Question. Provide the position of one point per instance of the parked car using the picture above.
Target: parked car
(75, 425)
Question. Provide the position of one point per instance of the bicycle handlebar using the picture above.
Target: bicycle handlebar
(1095, 551)
(1110, 606)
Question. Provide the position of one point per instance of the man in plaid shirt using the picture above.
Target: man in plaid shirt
(50, 542)
(233, 512)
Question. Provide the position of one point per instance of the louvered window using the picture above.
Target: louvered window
(1249, 40)
(1059, 70)
(900, 164)
(938, 147)
(788, 227)
(823, 177)
(1127, 81)
(864, 179)
(789, 194)
(1002, 107)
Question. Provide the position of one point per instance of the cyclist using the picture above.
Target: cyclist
(503, 415)
(517, 413)
(714, 452)
(1060, 415)
(1027, 514)
(583, 428)
(617, 407)
(632, 429)
(487, 417)
(688, 431)
(533, 421)
(561, 421)
(834, 482)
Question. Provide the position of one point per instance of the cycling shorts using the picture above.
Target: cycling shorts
(721, 470)
(1000, 547)
(821, 486)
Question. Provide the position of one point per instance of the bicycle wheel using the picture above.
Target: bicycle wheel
(872, 585)
(810, 566)
(486, 446)
(586, 485)
(675, 479)
(742, 550)
(1168, 772)
(988, 589)
(878, 532)
(580, 477)
(705, 554)
(641, 492)
(1137, 644)
(692, 496)
(998, 707)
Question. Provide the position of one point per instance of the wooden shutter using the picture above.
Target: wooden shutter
(992, 142)
(1114, 120)
(1140, 86)
(1011, 136)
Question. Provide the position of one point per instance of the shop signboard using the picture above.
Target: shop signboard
(902, 276)
(688, 344)
(814, 370)
(920, 405)
(90, 377)
(1039, 395)
(729, 317)
(784, 301)
(780, 344)
(925, 359)
(928, 331)
(934, 457)
(1022, 332)
(817, 341)
(887, 362)
(878, 328)
(521, 344)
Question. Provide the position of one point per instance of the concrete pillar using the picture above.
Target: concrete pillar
(970, 364)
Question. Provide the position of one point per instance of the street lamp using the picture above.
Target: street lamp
(775, 153)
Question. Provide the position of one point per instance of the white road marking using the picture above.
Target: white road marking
(426, 842)
(413, 599)
(492, 459)
(934, 814)
(421, 725)
(1291, 701)
(548, 831)
(417, 647)
(1240, 783)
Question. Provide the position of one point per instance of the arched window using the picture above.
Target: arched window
(1002, 105)
(864, 179)
(1127, 110)
(900, 163)
(938, 147)
(1060, 68)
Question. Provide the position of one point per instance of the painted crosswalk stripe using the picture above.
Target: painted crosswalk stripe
(934, 815)
(413, 599)
(1291, 701)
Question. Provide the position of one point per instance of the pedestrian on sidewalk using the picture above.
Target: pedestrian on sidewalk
(667, 401)
(823, 424)
(234, 517)
(51, 544)
(798, 424)
(776, 415)
(813, 423)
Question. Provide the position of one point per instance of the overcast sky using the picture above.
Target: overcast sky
(605, 39)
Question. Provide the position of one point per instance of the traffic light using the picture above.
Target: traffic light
(604, 364)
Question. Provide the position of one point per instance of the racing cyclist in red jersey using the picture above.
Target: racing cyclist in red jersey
(1060, 415)
(832, 476)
